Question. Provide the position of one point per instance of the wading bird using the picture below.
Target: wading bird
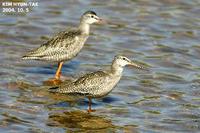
(96, 84)
(65, 45)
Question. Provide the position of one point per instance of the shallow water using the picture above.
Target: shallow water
(163, 34)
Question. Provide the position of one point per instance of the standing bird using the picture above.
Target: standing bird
(96, 84)
(65, 45)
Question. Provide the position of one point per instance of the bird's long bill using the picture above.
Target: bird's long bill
(134, 64)
(101, 21)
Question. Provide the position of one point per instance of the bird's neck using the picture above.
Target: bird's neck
(84, 28)
(116, 69)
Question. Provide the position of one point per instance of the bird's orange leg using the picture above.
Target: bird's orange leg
(58, 72)
(90, 105)
(56, 80)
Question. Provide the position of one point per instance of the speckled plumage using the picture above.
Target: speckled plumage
(62, 47)
(96, 84)
(67, 44)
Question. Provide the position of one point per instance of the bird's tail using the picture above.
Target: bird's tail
(54, 89)
(26, 57)
(59, 89)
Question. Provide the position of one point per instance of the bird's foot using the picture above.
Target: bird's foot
(91, 110)
(52, 81)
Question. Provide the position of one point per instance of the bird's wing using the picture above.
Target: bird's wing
(55, 45)
(84, 85)
(87, 78)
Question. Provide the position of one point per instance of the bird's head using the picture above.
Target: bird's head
(90, 17)
(122, 61)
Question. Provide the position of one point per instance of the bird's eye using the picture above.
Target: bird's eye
(92, 16)
(124, 58)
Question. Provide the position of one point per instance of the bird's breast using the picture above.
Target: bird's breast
(108, 86)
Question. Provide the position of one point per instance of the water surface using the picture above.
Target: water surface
(163, 34)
